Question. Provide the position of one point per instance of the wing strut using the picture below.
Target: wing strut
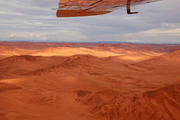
(128, 7)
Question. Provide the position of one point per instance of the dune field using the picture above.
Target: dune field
(89, 81)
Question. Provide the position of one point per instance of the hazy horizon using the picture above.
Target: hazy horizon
(101, 42)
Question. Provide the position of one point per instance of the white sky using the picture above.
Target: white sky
(32, 20)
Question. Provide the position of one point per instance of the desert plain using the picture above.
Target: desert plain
(89, 81)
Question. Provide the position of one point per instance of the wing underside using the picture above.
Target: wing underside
(73, 8)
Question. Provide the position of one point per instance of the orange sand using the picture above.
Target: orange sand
(89, 83)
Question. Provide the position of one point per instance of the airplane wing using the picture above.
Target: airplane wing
(75, 8)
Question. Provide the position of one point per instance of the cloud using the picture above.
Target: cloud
(34, 20)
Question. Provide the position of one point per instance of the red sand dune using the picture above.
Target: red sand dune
(89, 81)
(163, 103)
(170, 60)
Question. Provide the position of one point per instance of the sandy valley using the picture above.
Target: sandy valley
(89, 81)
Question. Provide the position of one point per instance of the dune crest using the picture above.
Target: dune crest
(170, 60)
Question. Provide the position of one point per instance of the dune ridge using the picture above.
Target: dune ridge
(82, 61)
(172, 60)
(112, 105)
